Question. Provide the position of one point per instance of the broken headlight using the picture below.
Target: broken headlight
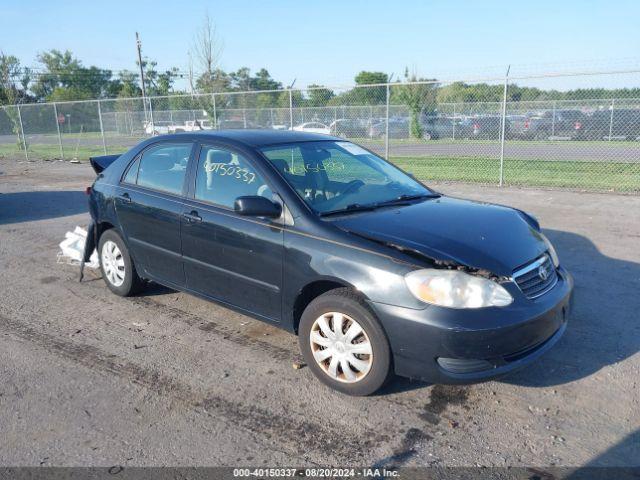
(456, 289)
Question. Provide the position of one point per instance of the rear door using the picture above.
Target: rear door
(227, 257)
(149, 208)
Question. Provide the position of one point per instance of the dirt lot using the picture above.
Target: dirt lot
(88, 378)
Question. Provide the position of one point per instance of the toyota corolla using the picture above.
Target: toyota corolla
(375, 272)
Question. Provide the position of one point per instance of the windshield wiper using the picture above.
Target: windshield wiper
(353, 208)
(357, 207)
(406, 197)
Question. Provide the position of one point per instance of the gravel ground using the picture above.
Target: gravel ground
(88, 378)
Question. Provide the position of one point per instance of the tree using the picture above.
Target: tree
(157, 83)
(127, 102)
(319, 96)
(418, 97)
(369, 78)
(206, 50)
(66, 75)
(363, 95)
(13, 86)
(14, 80)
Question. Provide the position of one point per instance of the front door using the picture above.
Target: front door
(149, 208)
(227, 257)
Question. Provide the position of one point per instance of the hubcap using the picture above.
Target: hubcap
(341, 347)
(112, 263)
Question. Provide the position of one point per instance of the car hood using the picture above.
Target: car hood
(479, 235)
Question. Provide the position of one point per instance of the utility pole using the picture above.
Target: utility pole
(144, 94)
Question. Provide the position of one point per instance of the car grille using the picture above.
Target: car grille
(537, 278)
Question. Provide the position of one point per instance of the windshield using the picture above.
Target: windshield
(333, 176)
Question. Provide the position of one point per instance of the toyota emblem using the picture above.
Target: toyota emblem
(542, 273)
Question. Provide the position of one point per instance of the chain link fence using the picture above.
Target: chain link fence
(580, 138)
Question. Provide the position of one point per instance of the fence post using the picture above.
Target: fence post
(104, 143)
(613, 104)
(215, 113)
(503, 125)
(291, 108)
(24, 140)
(454, 122)
(153, 125)
(55, 112)
(386, 127)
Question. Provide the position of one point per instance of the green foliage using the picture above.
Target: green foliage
(418, 97)
(369, 78)
(62, 94)
(318, 96)
(13, 86)
(63, 72)
(367, 95)
(157, 83)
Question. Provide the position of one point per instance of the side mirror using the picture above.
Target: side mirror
(257, 206)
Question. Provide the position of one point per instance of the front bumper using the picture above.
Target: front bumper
(444, 345)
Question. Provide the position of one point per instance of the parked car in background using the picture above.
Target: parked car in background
(235, 124)
(485, 127)
(435, 127)
(398, 128)
(157, 128)
(549, 124)
(349, 128)
(192, 126)
(312, 127)
(616, 124)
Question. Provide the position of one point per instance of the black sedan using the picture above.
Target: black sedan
(375, 272)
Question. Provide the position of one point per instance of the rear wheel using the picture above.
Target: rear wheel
(343, 343)
(116, 265)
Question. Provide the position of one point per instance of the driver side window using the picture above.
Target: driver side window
(224, 175)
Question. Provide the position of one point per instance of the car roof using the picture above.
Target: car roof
(258, 138)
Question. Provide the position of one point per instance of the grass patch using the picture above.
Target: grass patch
(610, 176)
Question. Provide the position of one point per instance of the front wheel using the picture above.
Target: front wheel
(343, 343)
(118, 270)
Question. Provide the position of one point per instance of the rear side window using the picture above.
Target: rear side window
(224, 175)
(132, 174)
(163, 167)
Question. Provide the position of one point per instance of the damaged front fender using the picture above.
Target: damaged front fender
(89, 246)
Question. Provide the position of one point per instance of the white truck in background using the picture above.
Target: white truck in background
(192, 126)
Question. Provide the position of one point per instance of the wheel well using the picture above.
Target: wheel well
(308, 293)
(101, 228)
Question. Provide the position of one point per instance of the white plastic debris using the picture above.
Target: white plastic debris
(72, 249)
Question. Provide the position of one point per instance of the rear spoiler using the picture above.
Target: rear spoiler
(103, 161)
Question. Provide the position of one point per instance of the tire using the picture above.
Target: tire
(356, 373)
(118, 270)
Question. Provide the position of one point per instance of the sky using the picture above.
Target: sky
(330, 41)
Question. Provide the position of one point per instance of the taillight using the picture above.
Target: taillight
(526, 124)
(476, 126)
(87, 190)
(578, 125)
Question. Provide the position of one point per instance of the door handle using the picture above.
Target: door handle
(192, 216)
(125, 198)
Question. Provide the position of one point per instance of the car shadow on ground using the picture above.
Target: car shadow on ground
(21, 207)
(603, 328)
(624, 455)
